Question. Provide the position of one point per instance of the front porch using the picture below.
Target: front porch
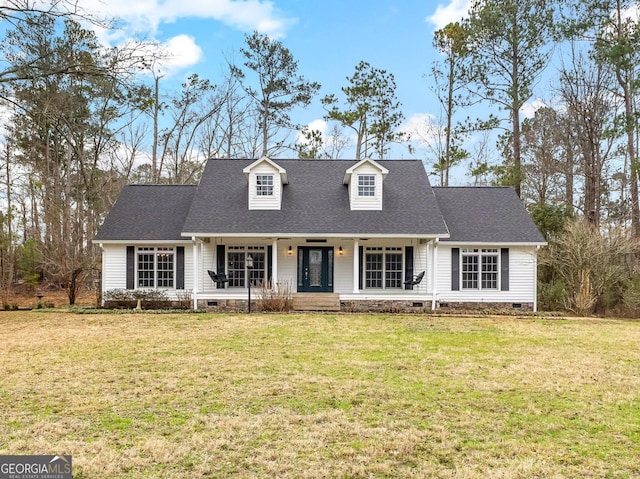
(330, 274)
(409, 301)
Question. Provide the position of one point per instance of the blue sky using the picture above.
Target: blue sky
(327, 37)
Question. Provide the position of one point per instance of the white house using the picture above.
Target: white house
(341, 234)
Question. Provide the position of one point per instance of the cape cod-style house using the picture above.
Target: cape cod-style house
(350, 235)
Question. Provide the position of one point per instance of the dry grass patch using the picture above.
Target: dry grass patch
(200, 395)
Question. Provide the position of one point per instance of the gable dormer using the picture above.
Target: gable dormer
(365, 180)
(265, 178)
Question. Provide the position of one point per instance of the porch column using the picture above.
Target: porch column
(356, 266)
(434, 275)
(274, 263)
(195, 272)
(535, 279)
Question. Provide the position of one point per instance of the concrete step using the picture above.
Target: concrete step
(316, 302)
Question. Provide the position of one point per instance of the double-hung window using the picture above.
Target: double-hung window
(383, 268)
(366, 185)
(480, 268)
(246, 262)
(156, 267)
(264, 185)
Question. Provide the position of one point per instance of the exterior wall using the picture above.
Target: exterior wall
(522, 278)
(365, 202)
(343, 277)
(522, 265)
(265, 202)
(114, 268)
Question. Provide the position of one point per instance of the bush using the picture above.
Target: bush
(593, 266)
(551, 295)
(128, 298)
(631, 297)
(278, 299)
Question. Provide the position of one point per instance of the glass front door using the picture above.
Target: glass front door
(315, 269)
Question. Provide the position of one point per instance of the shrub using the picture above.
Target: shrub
(183, 299)
(590, 264)
(128, 298)
(278, 299)
(551, 295)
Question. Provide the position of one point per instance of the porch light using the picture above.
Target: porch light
(340, 251)
(290, 251)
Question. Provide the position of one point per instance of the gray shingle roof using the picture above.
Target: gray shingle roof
(486, 214)
(148, 212)
(315, 202)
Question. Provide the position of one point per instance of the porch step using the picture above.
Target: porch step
(316, 302)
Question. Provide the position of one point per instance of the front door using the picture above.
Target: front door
(315, 269)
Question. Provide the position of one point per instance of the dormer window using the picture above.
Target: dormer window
(266, 180)
(264, 185)
(366, 185)
(365, 180)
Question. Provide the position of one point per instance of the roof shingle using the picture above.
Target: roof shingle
(315, 202)
(486, 215)
(148, 213)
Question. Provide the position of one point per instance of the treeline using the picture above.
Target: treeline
(83, 120)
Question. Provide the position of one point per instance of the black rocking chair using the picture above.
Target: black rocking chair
(219, 279)
(415, 280)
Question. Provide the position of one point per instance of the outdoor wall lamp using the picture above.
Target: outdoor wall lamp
(290, 251)
(340, 251)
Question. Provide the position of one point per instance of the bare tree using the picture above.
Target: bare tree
(585, 89)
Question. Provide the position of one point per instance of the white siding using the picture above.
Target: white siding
(287, 265)
(265, 202)
(365, 202)
(343, 279)
(206, 261)
(522, 283)
(114, 268)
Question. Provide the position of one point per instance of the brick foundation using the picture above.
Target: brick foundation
(372, 306)
(453, 306)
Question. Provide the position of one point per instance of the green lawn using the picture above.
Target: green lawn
(322, 396)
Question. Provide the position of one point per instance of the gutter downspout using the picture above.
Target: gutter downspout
(195, 273)
(535, 280)
(434, 276)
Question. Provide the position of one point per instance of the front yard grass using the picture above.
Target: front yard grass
(320, 395)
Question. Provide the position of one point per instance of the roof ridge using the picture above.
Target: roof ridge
(158, 184)
(490, 187)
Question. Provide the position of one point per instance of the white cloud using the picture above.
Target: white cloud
(421, 128)
(319, 125)
(144, 16)
(143, 19)
(445, 14)
(182, 52)
(5, 116)
(529, 109)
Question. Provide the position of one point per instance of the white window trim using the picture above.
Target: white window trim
(246, 250)
(155, 251)
(384, 250)
(264, 185)
(480, 253)
(365, 185)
